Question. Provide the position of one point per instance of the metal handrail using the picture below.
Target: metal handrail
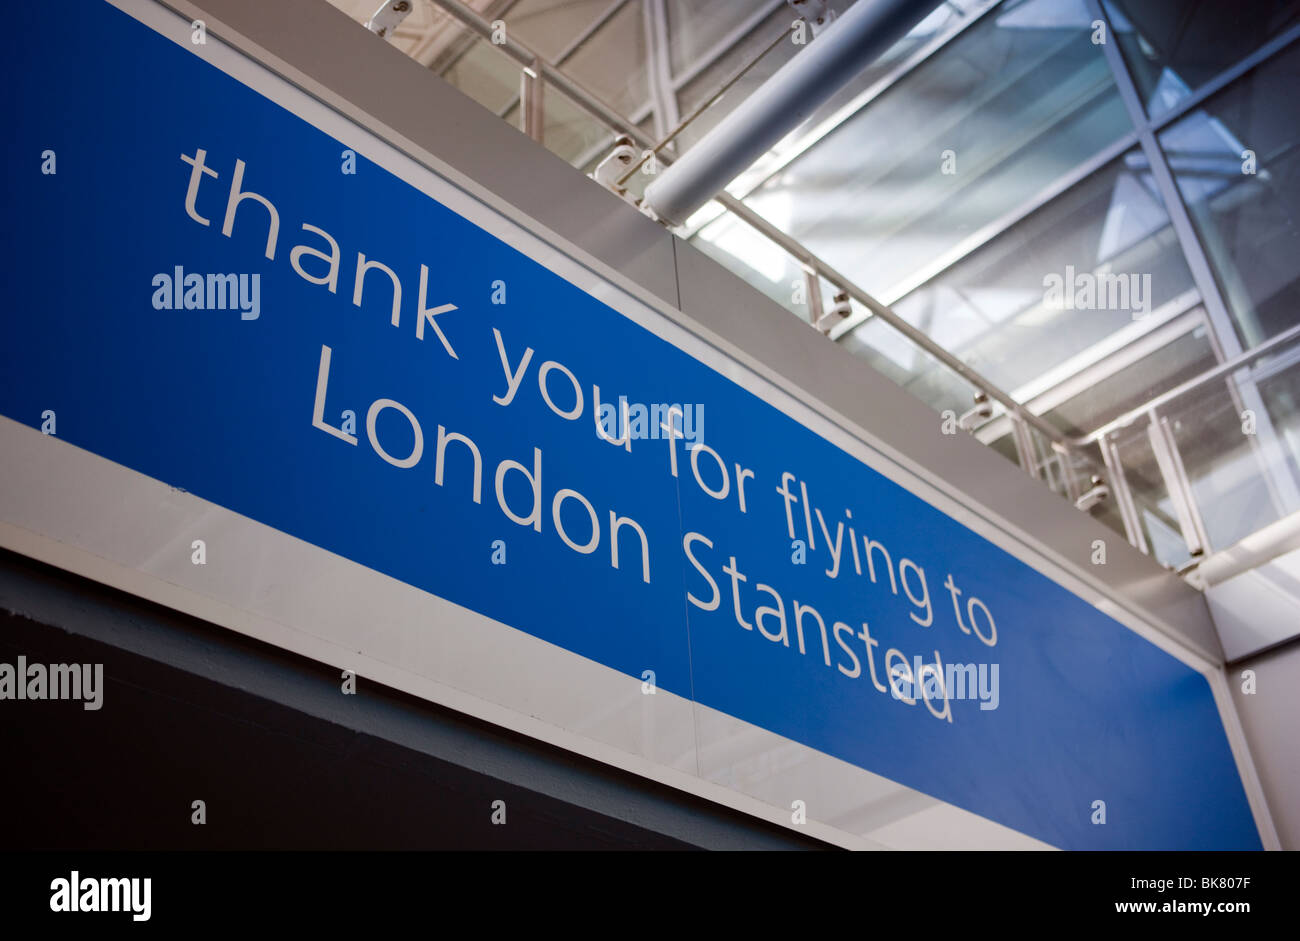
(529, 59)
(1181, 389)
(1074, 452)
(824, 270)
(575, 44)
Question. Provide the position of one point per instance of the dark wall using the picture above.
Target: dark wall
(273, 775)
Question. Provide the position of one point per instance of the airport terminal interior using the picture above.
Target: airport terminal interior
(988, 146)
(1171, 159)
(1035, 261)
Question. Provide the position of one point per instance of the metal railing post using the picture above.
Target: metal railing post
(1024, 441)
(1179, 487)
(531, 88)
(813, 285)
(1072, 491)
(1118, 480)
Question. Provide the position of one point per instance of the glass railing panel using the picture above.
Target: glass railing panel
(1157, 515)
(482, 71)
(1239, 441)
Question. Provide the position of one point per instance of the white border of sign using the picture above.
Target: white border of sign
(302, 598)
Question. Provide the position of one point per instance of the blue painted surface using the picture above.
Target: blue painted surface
(222, 406)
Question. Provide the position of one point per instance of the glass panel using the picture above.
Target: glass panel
(486, 74)
(696, 26)
(1134, 385)
(1281, 396)
(549, 26)
(1173, 47)
(1147, 485)
(756, 259)
(891, 353)
(571, 132)
(1070, 275)
(698, 90)
(1082, 466)
(1001, 112)
(1247, 213)
(612, 64)
(1242, 478)
(1057, 472)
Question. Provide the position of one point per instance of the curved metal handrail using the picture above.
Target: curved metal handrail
(1183, 388)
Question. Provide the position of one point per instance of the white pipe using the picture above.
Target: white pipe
(853, 41)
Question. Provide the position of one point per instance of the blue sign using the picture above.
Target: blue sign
(208, 290)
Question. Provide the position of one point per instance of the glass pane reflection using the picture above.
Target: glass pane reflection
(1173, 47)
(1006, 108)
(995, 309)
(1237, 163)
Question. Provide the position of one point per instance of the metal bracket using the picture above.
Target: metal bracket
(611, 169)
(1096, 493)
(839, 312)
(388, 17)
(983, 410)
(816, 13)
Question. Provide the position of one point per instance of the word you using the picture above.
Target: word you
(659, 421)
